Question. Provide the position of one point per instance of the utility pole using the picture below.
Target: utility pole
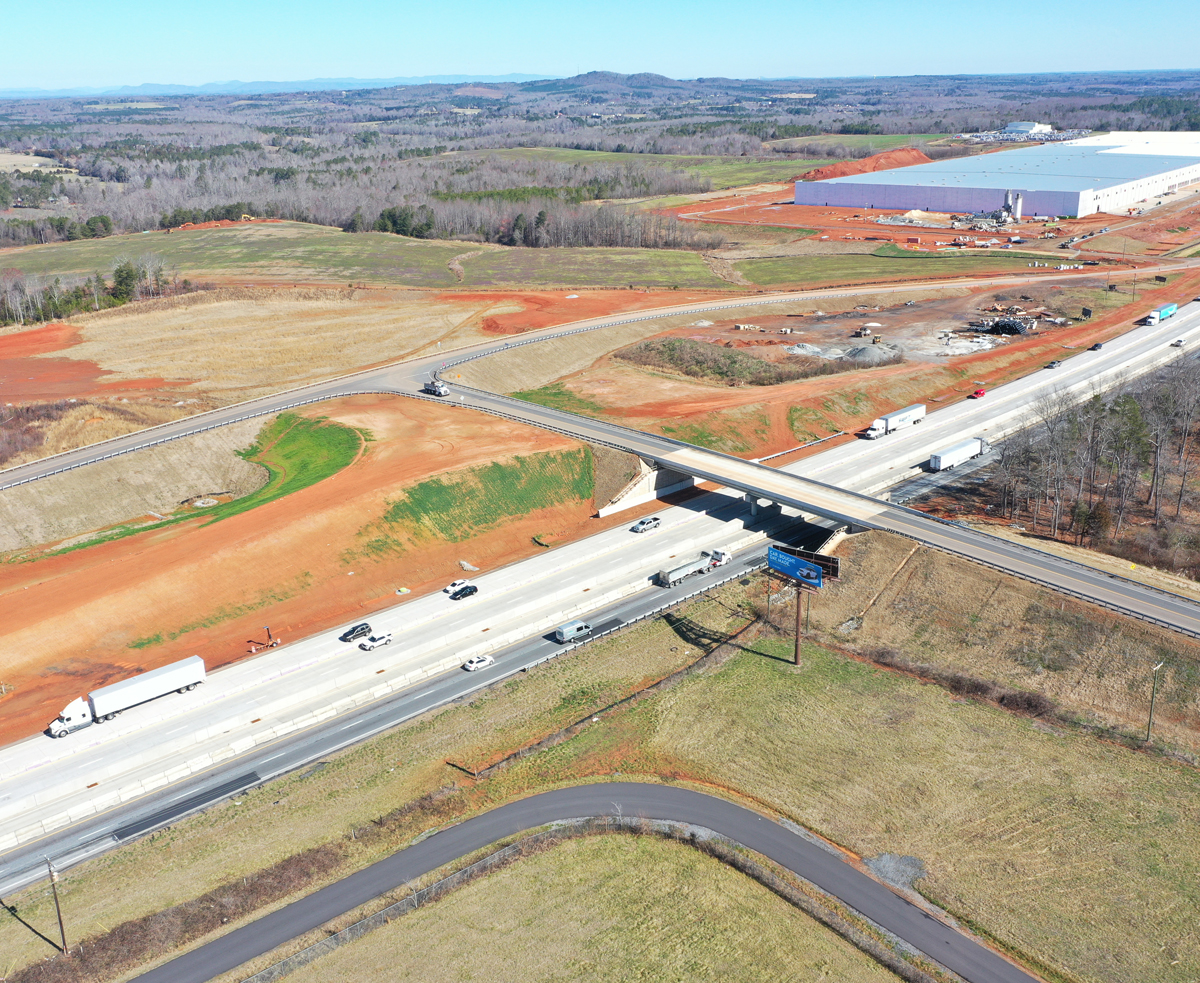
(768, 595)
(799, 595)
(57, 907)
(1153, 696)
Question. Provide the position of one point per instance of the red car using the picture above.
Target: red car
(978, 394)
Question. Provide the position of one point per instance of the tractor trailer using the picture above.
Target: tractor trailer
(906, 417)
(106, 702)
(959, 453)
(705, 562)
(1160, 314)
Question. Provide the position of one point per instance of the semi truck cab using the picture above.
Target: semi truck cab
(75, 716)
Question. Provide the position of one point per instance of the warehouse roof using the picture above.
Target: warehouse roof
(1073, 165)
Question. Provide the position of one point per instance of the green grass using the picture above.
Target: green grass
(294, 251)
(289, 250)
(876, 142)
(723, 172)
(465, 503)
(872, 267)
(296, 451)
(660, 268)
(559, 397)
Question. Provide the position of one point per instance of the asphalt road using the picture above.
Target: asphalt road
(406, 376)
(98, 834)
(960, 953)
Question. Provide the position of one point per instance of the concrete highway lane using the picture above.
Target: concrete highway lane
(961, 953)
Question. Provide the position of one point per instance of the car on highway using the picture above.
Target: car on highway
(376, 640)
(463, 592)
(457, 585)
(1055, 364)
(1096, 347)
(1177, 343)
(354, 633)
(646, 524)
(572, 630)
(978, 394)
(477, 662)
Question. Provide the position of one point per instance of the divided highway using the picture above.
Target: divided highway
(819, 865)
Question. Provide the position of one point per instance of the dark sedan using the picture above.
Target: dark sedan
(462, 592)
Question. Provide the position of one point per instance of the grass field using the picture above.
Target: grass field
(293, 251)
(875, 142)
(295, 450)
(559, 397)
(624, 908)
(1023, 828)
(462, 504)
(880, 265)
(591, 268)
(724, 172)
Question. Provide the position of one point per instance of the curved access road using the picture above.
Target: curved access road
(406, 376)
(957, 951)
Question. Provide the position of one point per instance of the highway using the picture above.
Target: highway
(185, 753)
(406, 376)
(954, 949)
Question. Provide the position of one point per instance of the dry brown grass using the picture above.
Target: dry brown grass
(158, 479)
(959, 616)
(615, 907)
(238, 343)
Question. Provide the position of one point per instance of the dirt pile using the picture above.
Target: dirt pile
(900, 157)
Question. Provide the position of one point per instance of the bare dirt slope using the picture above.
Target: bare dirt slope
(900, 157)
(294, 563)
(157, 479)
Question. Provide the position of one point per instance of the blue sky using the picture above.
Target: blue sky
(67, 43)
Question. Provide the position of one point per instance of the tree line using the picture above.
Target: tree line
(1117, 472)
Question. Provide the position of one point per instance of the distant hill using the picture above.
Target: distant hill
(262, 88)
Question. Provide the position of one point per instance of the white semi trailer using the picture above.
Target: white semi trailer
(106, 702)
(959, 453)
(895, 420)
(705, 562)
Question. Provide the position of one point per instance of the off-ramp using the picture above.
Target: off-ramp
(954, 949)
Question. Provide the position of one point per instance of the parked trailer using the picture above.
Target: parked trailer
(958, 453)
(106, 702)
(1160, 314)
(906, 417)
(705, 562)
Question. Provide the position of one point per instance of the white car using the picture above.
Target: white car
(646, 524)
(478, 662)
(451, 588)
(370, 643)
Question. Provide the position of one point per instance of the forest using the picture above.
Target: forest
(453, 153)
(1117, 472)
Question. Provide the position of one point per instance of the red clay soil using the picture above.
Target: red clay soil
(886, 161)
(544, 310)
(288, 564)
(24, 378)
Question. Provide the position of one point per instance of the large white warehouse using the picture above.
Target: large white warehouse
(1106, 173)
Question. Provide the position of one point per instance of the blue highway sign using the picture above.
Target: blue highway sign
(794, 567)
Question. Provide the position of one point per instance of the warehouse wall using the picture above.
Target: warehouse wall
(931, 199)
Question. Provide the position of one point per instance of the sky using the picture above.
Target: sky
(75, 43)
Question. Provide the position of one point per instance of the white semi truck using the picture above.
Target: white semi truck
(705, 562)
(956, 454)
(106, 702)
(435, 387)
(889, 422)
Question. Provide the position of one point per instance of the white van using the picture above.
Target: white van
(572, 630)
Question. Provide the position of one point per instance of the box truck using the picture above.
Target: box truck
(106, 702)
(959, 453)
(894, 421)
(705, 562)
(1160, 314)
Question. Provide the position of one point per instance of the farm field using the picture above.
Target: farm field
(1019, 824)
(724, 172)
(624, 908)
(294, 252)
(879, 266)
